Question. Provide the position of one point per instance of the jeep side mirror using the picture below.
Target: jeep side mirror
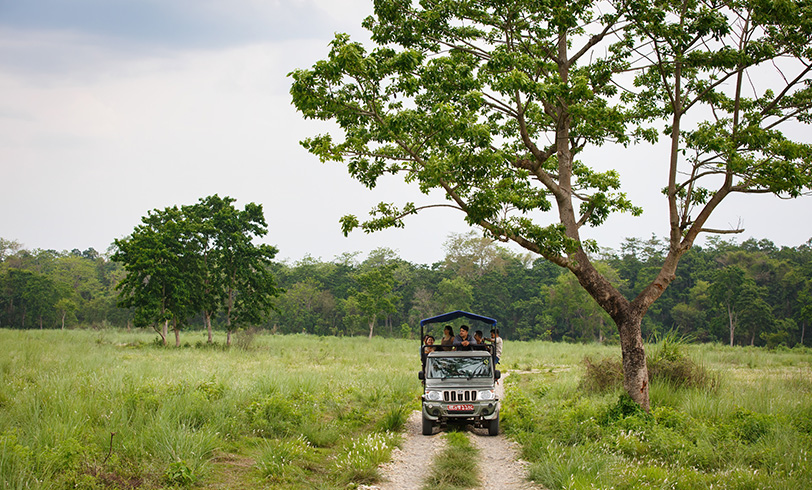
(496, 374)
(421, 376)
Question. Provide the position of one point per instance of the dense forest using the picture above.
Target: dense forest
(748, 293)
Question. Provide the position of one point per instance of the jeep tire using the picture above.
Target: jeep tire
(428, 426)
(493, 426)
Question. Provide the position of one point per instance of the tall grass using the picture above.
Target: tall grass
(746, 424)
(169, 412)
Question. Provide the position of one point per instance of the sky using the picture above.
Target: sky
(112, 108)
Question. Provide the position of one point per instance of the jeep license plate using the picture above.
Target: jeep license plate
(467, 407)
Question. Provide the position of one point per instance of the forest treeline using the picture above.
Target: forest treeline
(749, 293)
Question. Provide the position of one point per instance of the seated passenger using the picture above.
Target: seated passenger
(428, 340)
(479, 341)
(448, 338)
(463, 341)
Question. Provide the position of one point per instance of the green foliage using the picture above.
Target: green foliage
(602, 375)
(479, 273)
(358, 461)
(178, 473)
(496, 105)
(394, 420)
(181, 261)
(667, 364)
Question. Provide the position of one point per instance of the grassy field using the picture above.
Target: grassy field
(110, 409)
(287, 412)
(749, 426)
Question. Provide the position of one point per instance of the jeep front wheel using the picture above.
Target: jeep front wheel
(428, 426)
(493, 426)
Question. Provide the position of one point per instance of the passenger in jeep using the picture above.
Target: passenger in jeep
(448, 338)
(479, 341)
(463, 341)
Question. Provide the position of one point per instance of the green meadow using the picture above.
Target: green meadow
(111, 409)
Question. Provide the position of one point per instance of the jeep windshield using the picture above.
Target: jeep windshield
(459, 367)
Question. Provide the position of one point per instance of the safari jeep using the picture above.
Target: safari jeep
(459, 385)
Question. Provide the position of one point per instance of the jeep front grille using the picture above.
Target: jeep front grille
(459, 395)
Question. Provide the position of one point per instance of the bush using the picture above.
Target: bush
(602, 375)
(666, 361)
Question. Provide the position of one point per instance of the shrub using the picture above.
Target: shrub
(666, 361)
(178, 473)
(603, 375)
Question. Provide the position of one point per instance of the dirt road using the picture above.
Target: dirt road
(498, 461)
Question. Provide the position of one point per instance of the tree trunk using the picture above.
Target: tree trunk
(161, 332)
(177, 333)
(228, 338)
(628, 316)
(732, 324)
(371, 327)
(803, 330)
(63, 320)
(635, 370)
(208, 325)
(165, 332)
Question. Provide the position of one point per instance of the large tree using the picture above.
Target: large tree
(492, 103)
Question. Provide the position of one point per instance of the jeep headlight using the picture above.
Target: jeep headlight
(485, 395)
(434, 396)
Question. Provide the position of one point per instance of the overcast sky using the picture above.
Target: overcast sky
(111, 108)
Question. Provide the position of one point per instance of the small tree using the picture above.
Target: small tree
(164, 271)
(181, 261)
(375, 297)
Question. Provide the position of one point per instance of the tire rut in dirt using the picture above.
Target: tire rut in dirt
(412, 462)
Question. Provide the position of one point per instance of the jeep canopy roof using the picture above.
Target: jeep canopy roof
(447, 317)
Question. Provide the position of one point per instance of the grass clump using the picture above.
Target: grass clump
(456, 467)
(284, 460)
(667, 363)
(358, 461)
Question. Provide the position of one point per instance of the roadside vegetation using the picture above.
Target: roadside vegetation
(721, 417)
